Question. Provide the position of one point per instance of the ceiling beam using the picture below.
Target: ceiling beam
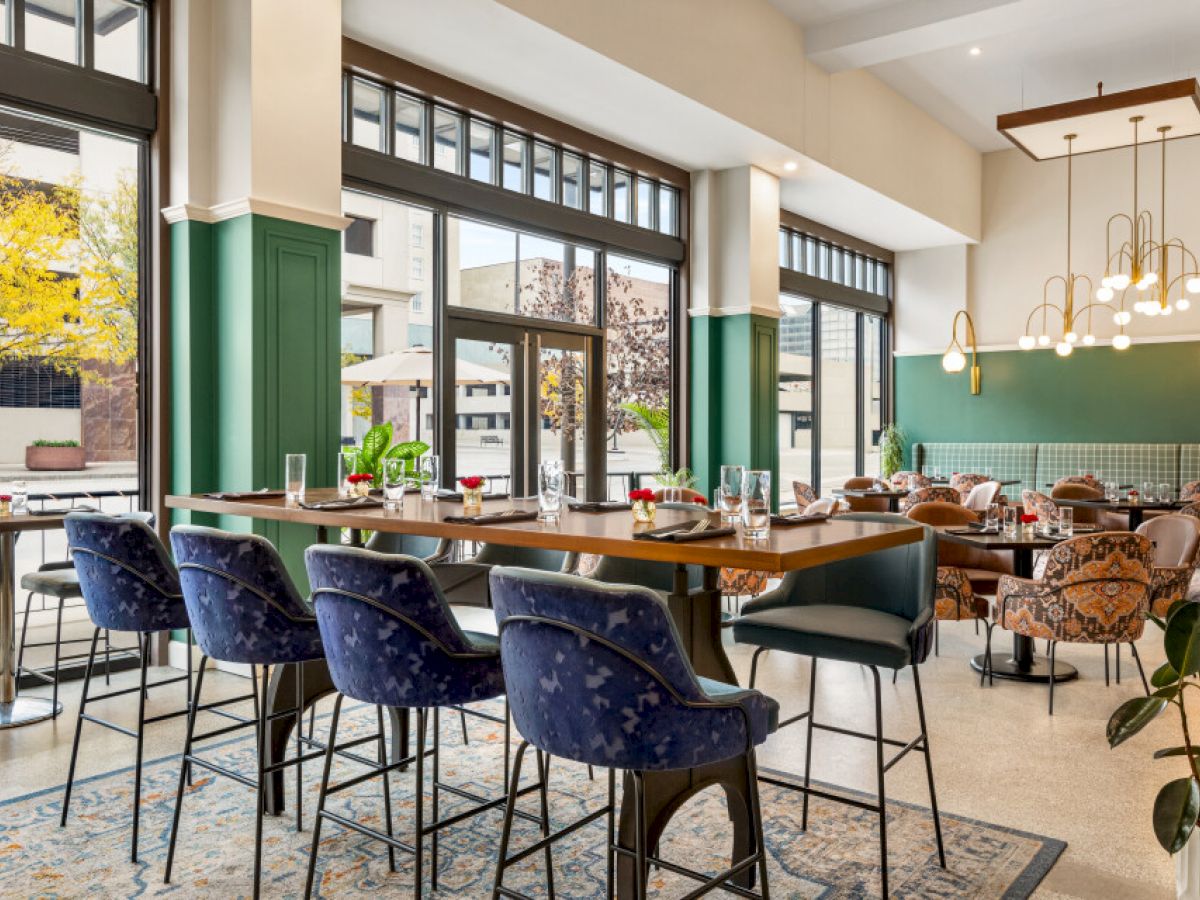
(906, 28)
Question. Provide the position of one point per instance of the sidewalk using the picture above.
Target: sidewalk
(106, 471)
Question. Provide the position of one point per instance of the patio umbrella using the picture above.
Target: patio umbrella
(413, 367)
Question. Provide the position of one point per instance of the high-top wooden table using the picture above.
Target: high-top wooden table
(16, 711)
(697, 613)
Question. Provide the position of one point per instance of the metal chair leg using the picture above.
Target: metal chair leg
(754, 665)
(1117, 661)
(987, 654)
(87, 677)
(543, 763)
(760, 841)
(879, 777)
(57, 658)
(1053, 647)
(812, 702)
(316, 838)
(387, 790)
(299, 729)
(24, 630)
(107, 657)
(144, 646)
(185, 768)
(437, 774)
(419, 839)
(937, 819)
(1141, 671)
(261, 786)
(610, 854)
(462, 718)
(1106, 682)
(639, 840)
(506, 830)
(937, 642)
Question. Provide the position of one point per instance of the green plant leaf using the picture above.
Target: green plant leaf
(656, 422)
(375, 444)
(1182, 639)
(1175, 751)
(408, 450)
(1175, 810)
(1164, 675)
(1131, 717)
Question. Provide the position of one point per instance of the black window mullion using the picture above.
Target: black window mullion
(860, 388)
(816, 397)
(16, 24)
(85, 33)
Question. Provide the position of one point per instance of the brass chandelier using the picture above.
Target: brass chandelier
(1154, 268)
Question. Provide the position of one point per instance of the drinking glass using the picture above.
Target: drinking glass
(430, 473)
(1044, 523)
(395, 479)
(729, 492)
(1011, 520)
(1066, 521)
(672, 494)
(20, 497)
(1165, 492)
(1148, 495)
(293, 468)
(550, 490)
(1111, 491)
(347, 466)
(756, 503)
(992, 522)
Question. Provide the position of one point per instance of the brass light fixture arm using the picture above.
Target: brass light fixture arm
(969, 329)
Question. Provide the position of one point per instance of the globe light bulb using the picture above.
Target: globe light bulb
(1193, 285)
(1125, 317)
(1166, 310)
(953, 361)
(1062, 348)
(1070, 337)
(1139, 307)
(1183, 304)
(1151, 309)
(1104, 294)
(1027, 342)
(1119, 282)
(1043, 340)
(1106, 281)
(1121, 342)
(1150, 278)
(1088, 340)
(1143, 284)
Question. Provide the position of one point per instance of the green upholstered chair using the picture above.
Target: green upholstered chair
(658, 576)
(875, 610)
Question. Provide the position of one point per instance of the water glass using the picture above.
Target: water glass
(756, 503)
(430, 475)
(1011, 520)
(672, 494)
(1148, 495)
(1066, 521)
(550, 490)
(20, 497)
(1111, 490)
(395, 479)
(1166, 493)
(992, 522)
(293, 469)
(347, 466)
(729, 492)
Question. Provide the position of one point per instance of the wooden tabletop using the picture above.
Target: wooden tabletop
(1119, 505)
(26, 522)
(608, 533)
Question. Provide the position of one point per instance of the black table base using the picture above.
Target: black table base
(1037, 671)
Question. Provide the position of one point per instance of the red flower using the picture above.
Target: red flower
(1026, 518)
(360, 478)
(643, 495)
(471, 482)
(5, 498)
(700, 501)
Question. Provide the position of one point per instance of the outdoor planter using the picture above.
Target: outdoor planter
(54, 459)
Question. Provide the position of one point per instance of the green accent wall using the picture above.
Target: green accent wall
(255, 313)
(1098, 394)
(733, 383)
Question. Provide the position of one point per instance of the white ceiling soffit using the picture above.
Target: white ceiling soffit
(492, 47)
(1032, 52)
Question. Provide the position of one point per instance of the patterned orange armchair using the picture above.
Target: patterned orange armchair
(1095, 590)
(963, 482)
(1176, 554)
(955, 601)
(930, 495)
(1086, 480)
(909, 481)
(804, 495)
(1190, 492)
(1035, 503)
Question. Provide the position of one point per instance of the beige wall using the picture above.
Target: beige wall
(24, 426)
(930, 286)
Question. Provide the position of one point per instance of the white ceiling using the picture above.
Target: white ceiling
(1033, 52)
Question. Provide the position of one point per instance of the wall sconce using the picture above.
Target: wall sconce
(954, 360)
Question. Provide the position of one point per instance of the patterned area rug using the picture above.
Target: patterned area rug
(837, 858)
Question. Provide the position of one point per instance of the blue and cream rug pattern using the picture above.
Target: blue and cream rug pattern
(837, 858)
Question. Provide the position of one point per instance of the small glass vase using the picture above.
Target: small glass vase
(643, 511)
(6, 507)
(1028, 529)
(360, 488)
(472, 498)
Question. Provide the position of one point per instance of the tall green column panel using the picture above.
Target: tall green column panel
(255, 336)
(734, 395)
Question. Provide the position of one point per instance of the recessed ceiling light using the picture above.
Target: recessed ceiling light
(790, 166)
(975, 51)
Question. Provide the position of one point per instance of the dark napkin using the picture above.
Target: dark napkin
(245, 495)
(682, 532)
(785, 521)
(597, 506)
(457, 495)
(61, 510)
(495, 518)
(345, 503)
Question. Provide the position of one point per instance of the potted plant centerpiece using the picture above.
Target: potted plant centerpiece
(54, 456)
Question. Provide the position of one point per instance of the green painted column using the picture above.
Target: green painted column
(734, 395)
(255, 315)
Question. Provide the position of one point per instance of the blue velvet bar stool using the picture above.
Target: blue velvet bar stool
(244, 608)
(875, 610)
(569, 643)
(128, 584)
(391, 641)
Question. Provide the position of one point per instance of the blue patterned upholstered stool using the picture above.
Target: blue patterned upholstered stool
(392, 641)
(611, 655)
(875, 610)
(128, 584)
(245, 609)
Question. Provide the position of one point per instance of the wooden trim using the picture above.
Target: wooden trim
(794, 222)
(363, 59)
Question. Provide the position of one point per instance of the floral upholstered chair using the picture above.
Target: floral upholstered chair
(1089, 480)
(1176, 554)
(955, 601)
(1036, 503)
(1096, 590)
(930, 495)
(909, 481)
(804, 494)
(963, 482)
(1190, 492)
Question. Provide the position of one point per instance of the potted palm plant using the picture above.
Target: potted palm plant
(891, 450)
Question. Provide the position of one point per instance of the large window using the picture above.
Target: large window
(115, 42)
(832, 372)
